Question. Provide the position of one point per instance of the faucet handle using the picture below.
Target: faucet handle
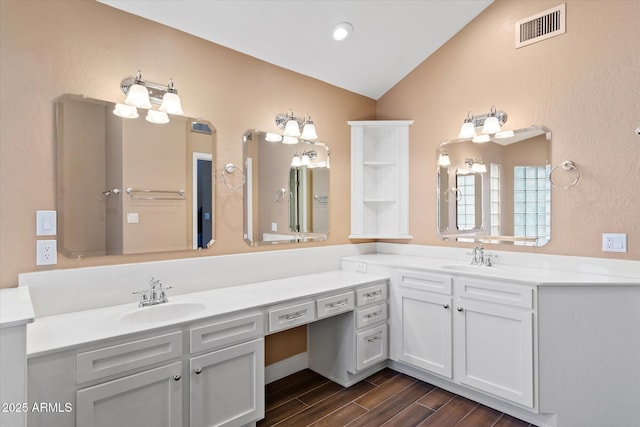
(487, 259)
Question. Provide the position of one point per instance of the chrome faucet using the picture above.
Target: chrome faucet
(154, 295)
(480, 257)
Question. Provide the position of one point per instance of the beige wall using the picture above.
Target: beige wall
(49, 48)
(583, 85)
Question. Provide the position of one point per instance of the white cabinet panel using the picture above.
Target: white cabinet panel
(227, 386)
(225, 332)
(494, 350)
(371, 347)
(371, 315)
(150, 398)
(371, 294)
(281, 318)
(335, 304)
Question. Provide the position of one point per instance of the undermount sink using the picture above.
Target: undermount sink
(470, 268)
(162, 312)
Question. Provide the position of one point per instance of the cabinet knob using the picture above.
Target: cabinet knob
(197, 371)
(460, 309)
(445, 306)
(177, 377)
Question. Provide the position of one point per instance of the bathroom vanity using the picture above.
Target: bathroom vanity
(540, 337)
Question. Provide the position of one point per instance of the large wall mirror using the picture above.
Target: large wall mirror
(127, 186)
(286, 197)
(497, 191)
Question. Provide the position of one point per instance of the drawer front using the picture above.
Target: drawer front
(495, 292)
(290, 316)
(371, 294)
(226, 332)
(101, 363)
(371, 315)
(334, 304)
(438, 283)
(371, 347)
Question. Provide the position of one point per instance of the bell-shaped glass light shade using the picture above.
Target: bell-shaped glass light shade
(289, 140)
(309, 132)
(295, 162)
(126, 111)
(444, 160)
(491, 125)
(480, 138)
(138, 96)
(292, 128)
(171, 104)
(306, 160)
(157, 117)
(479, 167)
(272, 137)
(467, 130)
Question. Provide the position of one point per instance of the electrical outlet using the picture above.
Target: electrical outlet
(612, 242)
(361, 267)
(46, 252)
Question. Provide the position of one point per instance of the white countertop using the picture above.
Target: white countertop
(532, 275)
(15, 307)
(54, 333)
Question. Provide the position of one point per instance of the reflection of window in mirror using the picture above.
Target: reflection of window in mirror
(495, 225)
(532, 202)
(466, 202)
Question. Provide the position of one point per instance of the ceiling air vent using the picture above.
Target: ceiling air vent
(541, 26)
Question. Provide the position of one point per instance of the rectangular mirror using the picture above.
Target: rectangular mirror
(496, 191)
(127, 186)
(286, 197)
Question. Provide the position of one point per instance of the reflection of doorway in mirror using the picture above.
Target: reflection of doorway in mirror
(202, 200)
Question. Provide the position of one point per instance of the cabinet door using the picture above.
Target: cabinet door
(227, 386)
(423, 331)
(371, 347)
(494, 350)
(149, 398)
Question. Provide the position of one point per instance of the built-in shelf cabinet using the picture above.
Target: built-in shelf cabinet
(380, 179)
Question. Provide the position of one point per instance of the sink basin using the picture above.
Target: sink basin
(162, 312)
(468, 268)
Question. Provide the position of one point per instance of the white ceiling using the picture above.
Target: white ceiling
(390, 38)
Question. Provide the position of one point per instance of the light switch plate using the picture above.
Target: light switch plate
(46, 223)
(132, 218)
(614, 242)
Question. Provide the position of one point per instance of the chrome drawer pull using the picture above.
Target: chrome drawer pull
(373, 294)
(338, 304)
(376, 338)
(295, 315)
(372, 315)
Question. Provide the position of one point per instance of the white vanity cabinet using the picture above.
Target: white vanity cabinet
(380, 179)
(348, 347)
(476, 332)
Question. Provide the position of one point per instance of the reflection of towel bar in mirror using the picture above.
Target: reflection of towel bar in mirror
(321, 199)
(107, 193)
(155, 194)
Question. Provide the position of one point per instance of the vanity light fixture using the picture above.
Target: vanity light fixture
(295, 127)
(504, 134)
(273, 137)
(443, 159)
(476, 165)
(303, 159)
(141, 94)
(490, 123)
(341, 31)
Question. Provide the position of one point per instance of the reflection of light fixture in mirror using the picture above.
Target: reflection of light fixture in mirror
(289, 140)
(341, 31)
(295, 162)
(480, 138)
(273, 137)
(504, 134)
(171, 101)
(305, 160)
(476, 165)
(295, 127)
(157, 117)
(443, 159)
(126, 111)
(467, 130)
(491, 123)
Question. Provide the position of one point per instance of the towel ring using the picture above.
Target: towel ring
(567, 165)
(230, 168)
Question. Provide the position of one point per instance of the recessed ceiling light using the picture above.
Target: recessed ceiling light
(341, 31)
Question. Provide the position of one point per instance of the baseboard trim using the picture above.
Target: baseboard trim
(286, 367)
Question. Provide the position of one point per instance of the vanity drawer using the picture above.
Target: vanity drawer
(291, 315)
(371, 294)
(225, 332)
(335, 304)
(495, 292)
(117, 359)
(431, 282)
(371, 315)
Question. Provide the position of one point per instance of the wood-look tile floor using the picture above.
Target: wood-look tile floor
(387, 398)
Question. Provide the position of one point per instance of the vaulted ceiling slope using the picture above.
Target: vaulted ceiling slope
(390, 37)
